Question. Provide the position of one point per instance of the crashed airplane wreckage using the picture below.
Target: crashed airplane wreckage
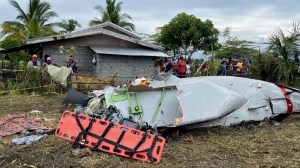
(139, 110)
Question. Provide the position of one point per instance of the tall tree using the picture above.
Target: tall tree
(69, 26)
(186, 34)
(32, 23)
(112, 13)
(235, 48)
(285, 45)
(226, 33)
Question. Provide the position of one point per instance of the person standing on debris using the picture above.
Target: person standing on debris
(72, 63)
(181, 68)
(34, 62)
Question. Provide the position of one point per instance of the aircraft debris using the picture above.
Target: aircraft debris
(148, 106)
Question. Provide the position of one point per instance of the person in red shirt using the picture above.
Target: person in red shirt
(181, 68)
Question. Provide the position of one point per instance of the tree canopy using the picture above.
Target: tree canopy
(32, 23)
(112, 13)
(186, 34)
(285, 45)
(235, 48)
(68, 25)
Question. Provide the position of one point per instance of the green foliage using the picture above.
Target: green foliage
(234, 48)
(30, 80)
(186, 34)
(11, 42)
(32, 23)
(285, 46)
(112, 13)
(22, 65)
(213, 69)
(67, 53)
(68, 26)
(297, 82)
(267, 67)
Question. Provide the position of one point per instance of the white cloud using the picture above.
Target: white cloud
(250, 20)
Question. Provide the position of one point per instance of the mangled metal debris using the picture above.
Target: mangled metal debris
(168, 101)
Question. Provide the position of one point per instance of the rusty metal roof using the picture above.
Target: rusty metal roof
(128, 51)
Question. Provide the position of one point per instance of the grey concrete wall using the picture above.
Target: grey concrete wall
(126, 68)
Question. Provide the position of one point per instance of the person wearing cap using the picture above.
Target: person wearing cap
(34, 62)
(50, 62)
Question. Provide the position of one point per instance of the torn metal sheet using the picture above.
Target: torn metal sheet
(205, 101)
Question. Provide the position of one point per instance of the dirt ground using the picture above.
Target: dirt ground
(263, 144)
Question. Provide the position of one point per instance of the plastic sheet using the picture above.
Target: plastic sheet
(28, 139)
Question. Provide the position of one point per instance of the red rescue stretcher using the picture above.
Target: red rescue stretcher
(110, 137)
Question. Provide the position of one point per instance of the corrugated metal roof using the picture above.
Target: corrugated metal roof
(128, 51)
(94, 30)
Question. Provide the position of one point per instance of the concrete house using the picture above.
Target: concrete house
(117, 52)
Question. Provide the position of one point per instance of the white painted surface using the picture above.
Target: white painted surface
(210, 101)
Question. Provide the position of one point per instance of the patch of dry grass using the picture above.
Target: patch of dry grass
(258, 145)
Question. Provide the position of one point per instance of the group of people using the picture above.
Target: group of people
(238, 68)
(36, 63)
(179, 68)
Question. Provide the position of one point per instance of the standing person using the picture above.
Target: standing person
(188, 69)
(50, 62)
(161, 66)
(174, 66)
(181, 68)
(239, 66)
(167, 65)
(72, 63)
(34, 62)
(224, 68)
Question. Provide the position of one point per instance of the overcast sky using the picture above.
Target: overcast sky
(248, 19)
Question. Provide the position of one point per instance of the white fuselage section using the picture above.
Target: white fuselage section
(205, 101)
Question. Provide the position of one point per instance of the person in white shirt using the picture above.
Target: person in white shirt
(34, 62)
(188, 69)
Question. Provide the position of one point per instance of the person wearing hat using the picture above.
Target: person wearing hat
(50, 62)
(34, 62)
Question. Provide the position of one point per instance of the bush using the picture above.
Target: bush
(297, 82)
(268, 68)
(31, 80)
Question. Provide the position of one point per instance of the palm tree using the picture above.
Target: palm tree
(285, 45)
(31, 23)
(69, 26)
(112, 13)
